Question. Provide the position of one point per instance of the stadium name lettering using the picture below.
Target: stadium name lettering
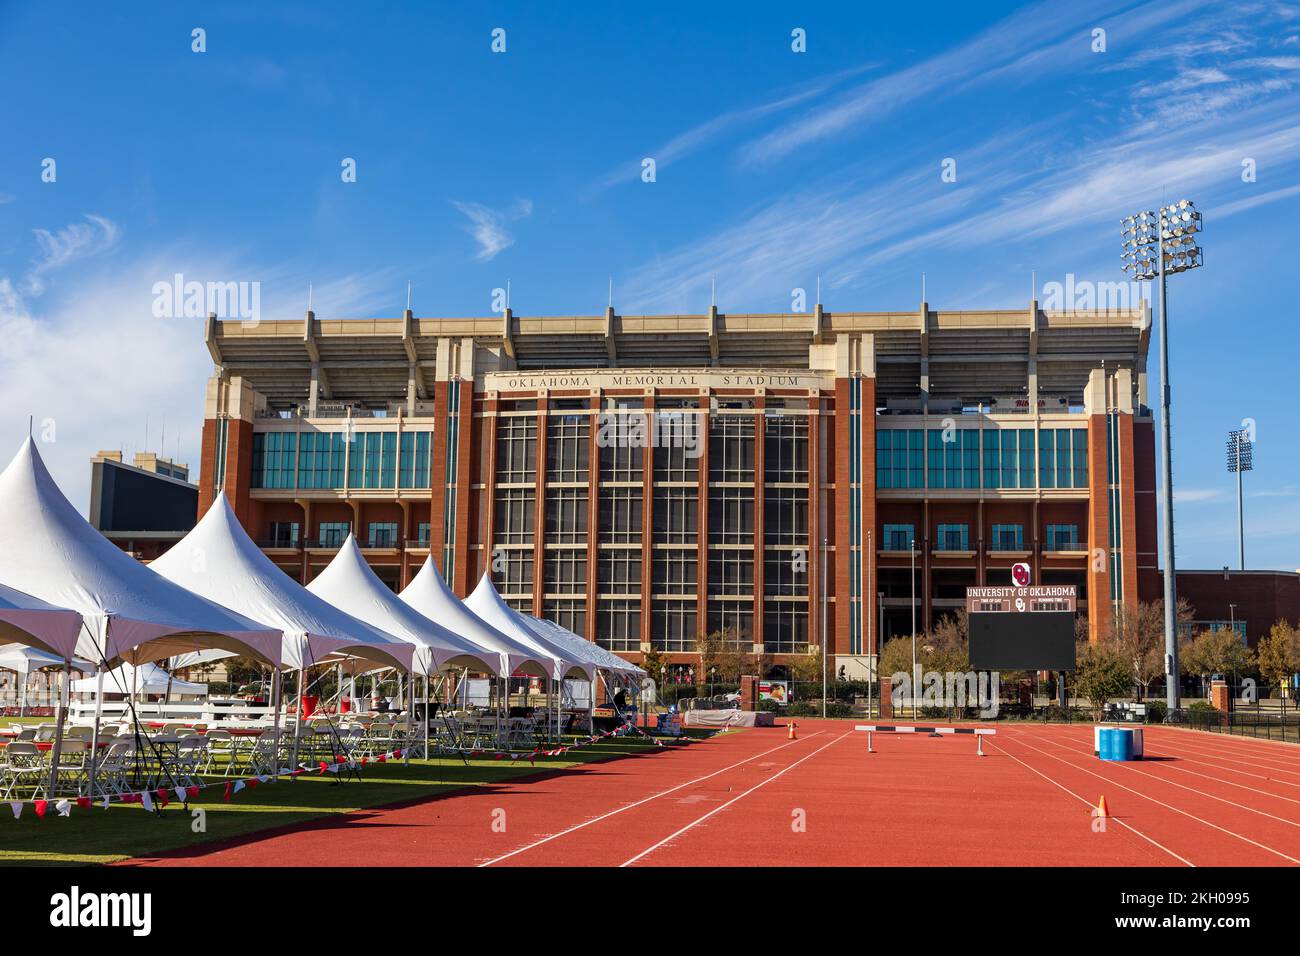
(661, 380)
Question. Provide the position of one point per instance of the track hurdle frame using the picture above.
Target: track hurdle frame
(979, 733)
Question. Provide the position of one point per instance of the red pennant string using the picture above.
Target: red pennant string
(41, 806)
(162, 796)
(229, 784)
(83, 802)
(191, 791)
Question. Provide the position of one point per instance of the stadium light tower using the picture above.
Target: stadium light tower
(1241, 458)
(1156, 245)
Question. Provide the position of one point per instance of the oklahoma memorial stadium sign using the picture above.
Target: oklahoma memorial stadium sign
(669, 378)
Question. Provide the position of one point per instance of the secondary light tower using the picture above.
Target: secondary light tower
(1156, 245)
(1241, 458)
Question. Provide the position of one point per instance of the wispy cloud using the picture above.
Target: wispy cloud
(488, 226)
(1193, 496)
(1041, 39)
(697, 137)
(76, 241)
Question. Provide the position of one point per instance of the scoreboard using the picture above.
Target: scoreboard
(1022, 627)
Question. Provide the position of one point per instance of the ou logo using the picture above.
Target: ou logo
(1020, 575)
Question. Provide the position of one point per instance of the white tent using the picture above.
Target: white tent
(49, 551)
(350, 585)
(491, 607)
(36, 624)
(430, 594)
(145, 679)
(218, 560)
(22, 659)
(603, 659)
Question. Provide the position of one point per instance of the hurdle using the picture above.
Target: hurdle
(979, 733)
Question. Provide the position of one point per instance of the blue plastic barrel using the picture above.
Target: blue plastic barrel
(1116, 744)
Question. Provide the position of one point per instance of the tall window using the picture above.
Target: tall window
(731, 514)
(1063, 458)
(1009, 458)
(785, 448)
(515, 515)
(618, 624)
(566, 448)
(413, 460)
(284, 534)
(898, 537)
(566, 515)
(566, 571)
(899, 458)
(1007, 537)
(731, 448)
(373, 460)
(320, 459)
(273, 459)
(619, 571)
(516, 449)
(1062, 537)
(382, 534)
(676, 515)
(785, 573)
(620, 515)
(333, 533)
(785, 516)
(953, 537)
(622, 450)
(673, 625)
(785, 627)
(954, 458)
(675, 571)
(514, 574)
(567, 612)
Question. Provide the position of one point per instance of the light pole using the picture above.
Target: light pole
(825, 642)
(1241, 458)
(911, 547)
(1154, 246)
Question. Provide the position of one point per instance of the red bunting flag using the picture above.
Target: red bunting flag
(226, 797)
(162, 796)
(40, 807)
(192, 791)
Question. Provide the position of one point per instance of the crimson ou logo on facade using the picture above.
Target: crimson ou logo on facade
(1020, 575)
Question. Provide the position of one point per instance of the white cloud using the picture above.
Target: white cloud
(488, 226)
(1192, 496)
(76, 241)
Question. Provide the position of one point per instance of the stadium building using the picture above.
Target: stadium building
(645, 479)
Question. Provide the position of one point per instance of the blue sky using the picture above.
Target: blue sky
(773, 168)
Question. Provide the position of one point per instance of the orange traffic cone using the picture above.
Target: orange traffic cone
(1102, 810)
(792, 735)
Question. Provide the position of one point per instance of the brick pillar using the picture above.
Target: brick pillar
(886, 698)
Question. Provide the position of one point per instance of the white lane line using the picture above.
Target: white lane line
(1223, 757)
(764, 783)
(629, 806)
(1085, 748)
(1167, 806)
(1088, 803)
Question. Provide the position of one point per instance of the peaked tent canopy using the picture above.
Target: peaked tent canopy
(488, 604)
(578, 644)
(22, 659)
(218, 560)
(430, 594)
(350, 585)
(49, 551)
(37, 624)
(152, 680)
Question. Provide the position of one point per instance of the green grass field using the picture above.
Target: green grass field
(96, 836)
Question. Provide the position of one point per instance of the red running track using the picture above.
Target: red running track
(756, 798)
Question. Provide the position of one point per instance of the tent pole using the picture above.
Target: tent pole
(426, 716)
(591, 704)
(275, 733)
(94, 734)
(410, 708)
(297, 724)
(56, 751)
